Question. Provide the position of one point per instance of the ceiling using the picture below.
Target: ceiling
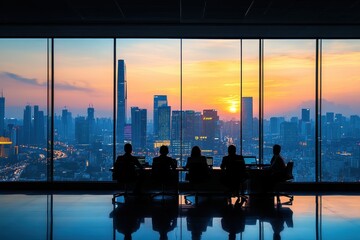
(179, 18)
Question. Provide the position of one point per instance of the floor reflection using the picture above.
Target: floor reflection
(83, 216)
(164, 215)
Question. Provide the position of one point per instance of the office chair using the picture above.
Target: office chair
(164, 177)
(198, 175)
(288, 178)
(123, 177)
(235, 178)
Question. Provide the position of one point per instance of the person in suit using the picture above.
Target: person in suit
(164, 168)
(127, 168)
(233, 172)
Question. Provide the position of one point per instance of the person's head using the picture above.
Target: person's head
(127, 148)
(276, 149)
(232, 150)
(164, 150)
(195, 152)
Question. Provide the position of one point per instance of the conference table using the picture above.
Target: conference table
(255, 184)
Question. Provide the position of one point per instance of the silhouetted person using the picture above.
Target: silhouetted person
(128, 169)
(233, 222)
(197, 221)
(164, 167)
(234, 171)
(277, 165)
(197, 165)
(126, 220)
(164, 219)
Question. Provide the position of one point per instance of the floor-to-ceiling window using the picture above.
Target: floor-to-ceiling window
(340, 120)
(83, 106)
(250, 97)
(148, 95)
(289, 103)
(23, 109)
(211, 96)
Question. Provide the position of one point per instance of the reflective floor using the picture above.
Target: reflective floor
(69, 216)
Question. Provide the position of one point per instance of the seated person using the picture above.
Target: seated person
(233, 172)
(197, 165)
(163, 167)
(277, 169)
(127, 168)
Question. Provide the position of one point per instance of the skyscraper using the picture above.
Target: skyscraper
(247, 118)
(39, 126)
(81, 130)
(64, 125)
(138, 128)
(159, 101)
(91, 123)
(27, 125)
(2, 115)
(163, 120)
(210, 129)
(121, 102)
(305, 115)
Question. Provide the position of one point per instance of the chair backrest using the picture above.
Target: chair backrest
(161, 171)
(236, 171)
(289, 171)
(125, 171)
(198, 171)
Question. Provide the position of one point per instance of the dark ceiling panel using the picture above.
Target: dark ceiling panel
(176, 11)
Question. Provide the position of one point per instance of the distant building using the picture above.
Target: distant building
(163, 126)
(81, 130)
(247, 118)
(138, 128)
(121, 103)
(2, 115)
(159, 102)
(26, 130)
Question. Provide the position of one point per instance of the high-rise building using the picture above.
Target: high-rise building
(210, 130)
(247, 118)
(305, 115)
(38, 126)
(138, 128)
(121, 103)
(91, 123)
(159, 101)
(2, 115)
(81, 130)
(163, 120)
(65, 125)
(289, 135)
(26, 136)
(181, 135)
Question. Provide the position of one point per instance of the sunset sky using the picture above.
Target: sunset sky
(210, 75)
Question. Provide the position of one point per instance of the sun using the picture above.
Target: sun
(232, 109)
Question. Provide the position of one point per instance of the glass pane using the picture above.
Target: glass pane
(340, 111)
(148, 92)
(250, 96)
(289, 103)
(211, 96)
(23, 109)
(83, 109)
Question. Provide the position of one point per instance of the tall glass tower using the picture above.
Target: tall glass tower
(2, 115)
(121, 103)
(138, 128)
(159, 101)
(247, 118)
